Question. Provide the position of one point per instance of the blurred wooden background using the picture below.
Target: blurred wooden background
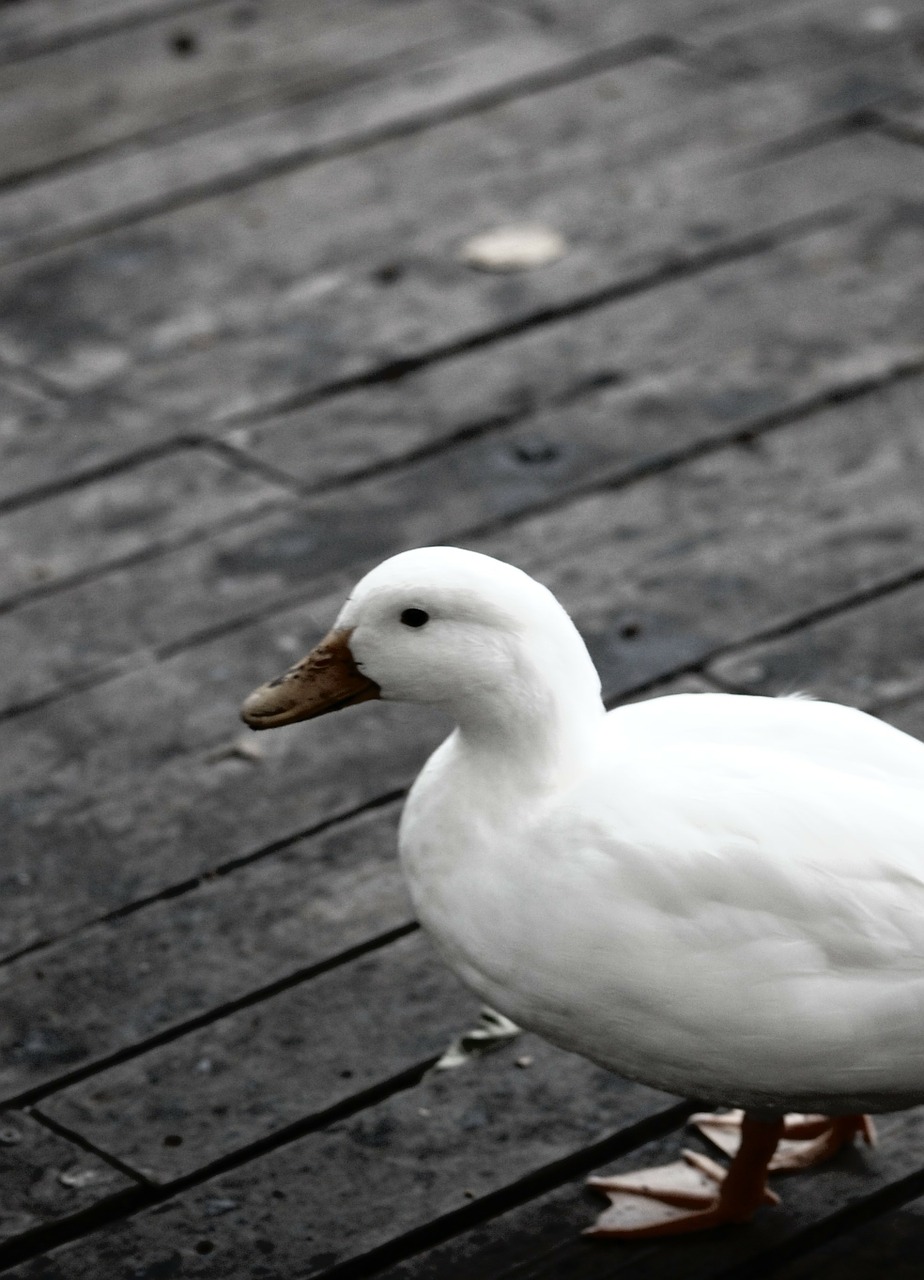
(243, 357)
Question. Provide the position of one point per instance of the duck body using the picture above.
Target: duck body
(709, 905)
(717, 895)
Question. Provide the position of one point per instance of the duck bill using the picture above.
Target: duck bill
(326, 680)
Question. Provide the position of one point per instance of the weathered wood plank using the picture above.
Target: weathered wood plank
(44, 1177)
(432, 1150)
(710, 553)
(907, 120)
(219, 308)
(117, 517)
(177, 959)
(907, 716)
(22, 409)
(125, 185)
(810, 33)
(862, 656)
(59, 799)
(541, 1240)
(48, 440)
(244, 1077)
(160, 748)
(478, 1130)
(27, 28)
(732, 346)
(719, 22)
(139, 975)
(38, 24)
(903, 117)
(878, 42)
(100, 424)
(890, 1246)
(138, 79)
(449, 76)
(593, 395)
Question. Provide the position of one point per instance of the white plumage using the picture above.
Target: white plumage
(721, 896)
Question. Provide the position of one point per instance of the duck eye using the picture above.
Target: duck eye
(415, 617)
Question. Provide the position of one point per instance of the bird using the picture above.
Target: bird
(715, 894)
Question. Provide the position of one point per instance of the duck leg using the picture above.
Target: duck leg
(806, 1141)
(694, 1193)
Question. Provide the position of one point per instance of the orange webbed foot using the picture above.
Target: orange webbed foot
(807, 1139)
(692, 1194)
(670, 1200)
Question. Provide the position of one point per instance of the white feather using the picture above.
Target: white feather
(722, 896)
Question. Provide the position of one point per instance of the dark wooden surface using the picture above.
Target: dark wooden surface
(241, 360)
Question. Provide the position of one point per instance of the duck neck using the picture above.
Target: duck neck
(541, 734)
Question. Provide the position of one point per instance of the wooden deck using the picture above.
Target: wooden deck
(241, 360)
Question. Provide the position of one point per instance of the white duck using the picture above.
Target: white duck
(720, 896)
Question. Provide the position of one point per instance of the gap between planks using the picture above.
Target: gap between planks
(678, 266)
(884, 1199)
(477, 430)
(225, 868)
(754, 246)
(35, 1243)
(30, 1097)
(40, 1240)
(306, 973)
(622, 478)
(840, 1222)
(53, 42)
(524, 86)
(897, 130)
(444, 1228)
(153, 550)
(570, 70)
(681, 269)
(32, 381)
(698, 668)
(78, 1140)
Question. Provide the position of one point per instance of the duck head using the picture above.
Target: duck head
(448, 628)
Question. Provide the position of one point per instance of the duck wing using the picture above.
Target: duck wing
(758, 918)
(825, 733)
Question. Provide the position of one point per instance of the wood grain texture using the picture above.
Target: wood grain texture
(629, 380)
(188, 955)
(430, 1151)
(408, 1164)
(849, 658)
(51, 437)
(45, 1177)
(248, 299)
(246, 1076)
(174, 63)
(541, 1240)
(135, 511)
(526, 421)
(236, 150)
(141, 78)
(28, 26)
(706, 555)
(907, 716)
(464, 64)
(139, 975)
(731, 21)
(211, 311)
(240, 362)
(890, 1246)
